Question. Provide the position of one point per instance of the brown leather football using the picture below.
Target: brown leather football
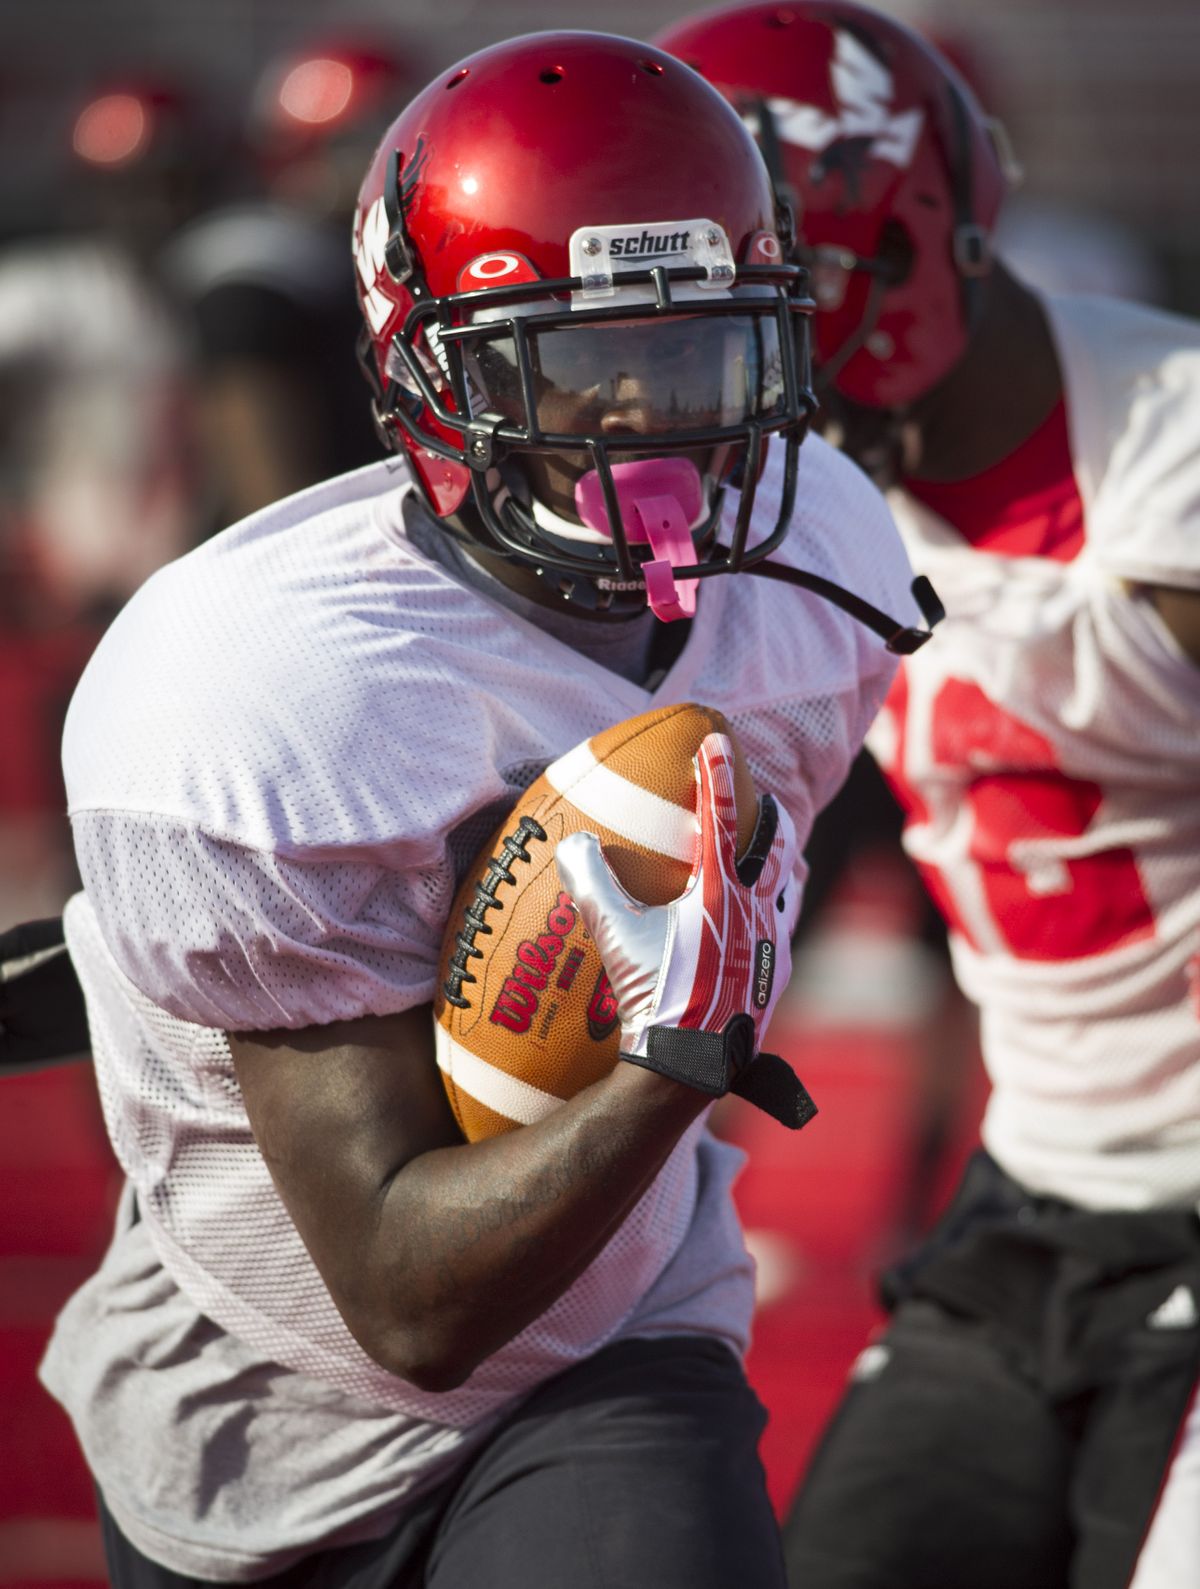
(524, 1014)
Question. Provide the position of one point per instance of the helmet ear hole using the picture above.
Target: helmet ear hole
(895, 253)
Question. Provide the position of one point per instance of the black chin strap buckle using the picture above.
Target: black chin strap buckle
(908, 639)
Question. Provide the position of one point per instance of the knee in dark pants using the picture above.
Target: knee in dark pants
(940, 1470)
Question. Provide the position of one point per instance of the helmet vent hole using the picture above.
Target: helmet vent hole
(651, 68)
(552, 74)
(458, 77)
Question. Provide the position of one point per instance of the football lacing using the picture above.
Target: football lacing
(499, 870)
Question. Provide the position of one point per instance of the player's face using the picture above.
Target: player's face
(629, 379)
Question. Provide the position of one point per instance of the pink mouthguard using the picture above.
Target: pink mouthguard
(660, 499)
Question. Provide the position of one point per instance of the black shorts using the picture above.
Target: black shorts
(636, 1469)
(1015, 1425)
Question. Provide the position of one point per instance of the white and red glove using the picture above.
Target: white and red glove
(696, 980)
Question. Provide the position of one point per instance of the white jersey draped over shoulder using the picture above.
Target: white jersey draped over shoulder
(278, 762)
(1052, 738)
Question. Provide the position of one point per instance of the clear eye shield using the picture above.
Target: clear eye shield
(687, 359)
(650, 379)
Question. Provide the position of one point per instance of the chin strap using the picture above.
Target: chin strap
(659, 498)
(903, 639)
(672, 598)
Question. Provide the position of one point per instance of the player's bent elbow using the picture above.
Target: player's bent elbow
(415, 1350)
(425, 1364)
(437, 1374)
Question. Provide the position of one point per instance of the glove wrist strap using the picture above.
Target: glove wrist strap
(719, 1062)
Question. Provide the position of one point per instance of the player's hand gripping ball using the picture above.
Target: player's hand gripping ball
(525, 1013)
(643, 856)
(713, 961)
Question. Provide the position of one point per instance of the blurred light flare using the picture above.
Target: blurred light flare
(317, 92)
(112, 130)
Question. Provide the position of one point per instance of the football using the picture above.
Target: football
(524, 1015)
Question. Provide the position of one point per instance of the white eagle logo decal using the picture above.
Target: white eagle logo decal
(369, 258)
(864, 90)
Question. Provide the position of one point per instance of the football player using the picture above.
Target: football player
(331, 1341)
(1030, 1414)
(267, 283)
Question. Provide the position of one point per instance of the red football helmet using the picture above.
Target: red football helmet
(576, 305)
(895, 172)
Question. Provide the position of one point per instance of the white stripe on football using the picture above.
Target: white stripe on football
(635, 813)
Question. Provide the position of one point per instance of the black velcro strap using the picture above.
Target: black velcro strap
(719, 1062)
(698, 1059)
(771, 1084)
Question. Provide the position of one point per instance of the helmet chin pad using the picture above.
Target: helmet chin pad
(659, 500)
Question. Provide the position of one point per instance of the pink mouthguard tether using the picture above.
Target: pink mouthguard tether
(660, 499)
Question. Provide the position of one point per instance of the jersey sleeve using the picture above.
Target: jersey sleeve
(226, 936)
(267, 761)
(1133, 387)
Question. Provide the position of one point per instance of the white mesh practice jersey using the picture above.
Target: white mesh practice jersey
(1050, 739)
(280, 758)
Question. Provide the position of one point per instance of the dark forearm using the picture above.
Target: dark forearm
(472, 1243)
(437, 1251)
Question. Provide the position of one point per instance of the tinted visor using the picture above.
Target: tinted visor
(648, 376)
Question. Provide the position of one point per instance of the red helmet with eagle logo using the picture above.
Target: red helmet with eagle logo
(574, 289)
(895, 172)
